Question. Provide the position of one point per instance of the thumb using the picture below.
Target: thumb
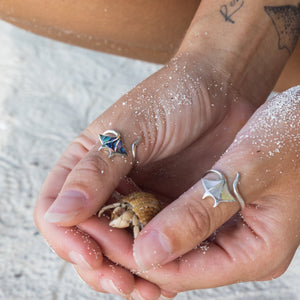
(96, 165)
(264, 149)
(143, 113)
(93, 175)
(197, 213)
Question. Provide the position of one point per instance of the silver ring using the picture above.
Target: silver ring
(218, 189)
(236, 191)
(133, 149)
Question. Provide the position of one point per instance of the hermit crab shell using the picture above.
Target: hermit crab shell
(144, 205)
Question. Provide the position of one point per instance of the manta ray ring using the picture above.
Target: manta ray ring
(219, 191)
(111, 141)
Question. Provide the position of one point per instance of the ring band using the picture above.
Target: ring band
(133, 150)
(236, 191)
(218, 189)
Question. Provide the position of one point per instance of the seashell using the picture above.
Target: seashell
(135, 210)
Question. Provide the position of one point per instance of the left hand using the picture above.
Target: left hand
(256, 244)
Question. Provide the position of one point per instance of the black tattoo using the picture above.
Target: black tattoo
(286, 20)
(228, 10)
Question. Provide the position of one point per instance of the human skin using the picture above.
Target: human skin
(204, 64)
(270, 219)
(256, 244)
(148, 30)
(187, 114)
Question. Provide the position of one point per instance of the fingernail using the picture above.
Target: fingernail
(135, 295)
(79, 260)
(151, 249)
(66, 206)
(109, 287)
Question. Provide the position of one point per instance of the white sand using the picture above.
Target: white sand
(49, 92)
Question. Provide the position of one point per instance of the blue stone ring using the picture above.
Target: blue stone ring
(111, 141)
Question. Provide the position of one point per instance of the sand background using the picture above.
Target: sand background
(49, 92)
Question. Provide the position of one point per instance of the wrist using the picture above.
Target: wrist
(243, 40)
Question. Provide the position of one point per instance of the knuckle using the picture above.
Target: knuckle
(93, 164)
(198, 220)
(85, 140)
(77, 149)
(81, 157)
(271, 261)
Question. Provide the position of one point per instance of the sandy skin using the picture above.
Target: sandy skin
(216, 104)
(154, 34)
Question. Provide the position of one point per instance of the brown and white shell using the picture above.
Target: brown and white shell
(144, 205)
(134, 210)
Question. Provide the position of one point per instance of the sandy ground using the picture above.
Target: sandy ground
(49, 92)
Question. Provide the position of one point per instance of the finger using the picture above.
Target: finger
(198, 267)
(205, 266)
(222, 260)
(70, 243)
(230, 257)
(181, 226)
(165, 295)
(191, 219)
(225, 259)
(122, 253)
(87, 187)
(74, 246)
(95, 176)
(163, 239)
(234, 254)
(145, 290)
(115, 243)
(144, 112)
(109, 278)
(246, 250)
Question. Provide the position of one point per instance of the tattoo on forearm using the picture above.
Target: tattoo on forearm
(228, 10)
(286, 20)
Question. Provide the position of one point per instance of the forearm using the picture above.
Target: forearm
(250, 40)
(149, 30)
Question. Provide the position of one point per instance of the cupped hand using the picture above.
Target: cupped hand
(186, 115)
(192, 245)
(256, 244)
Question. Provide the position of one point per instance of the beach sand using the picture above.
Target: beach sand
(49, 92)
